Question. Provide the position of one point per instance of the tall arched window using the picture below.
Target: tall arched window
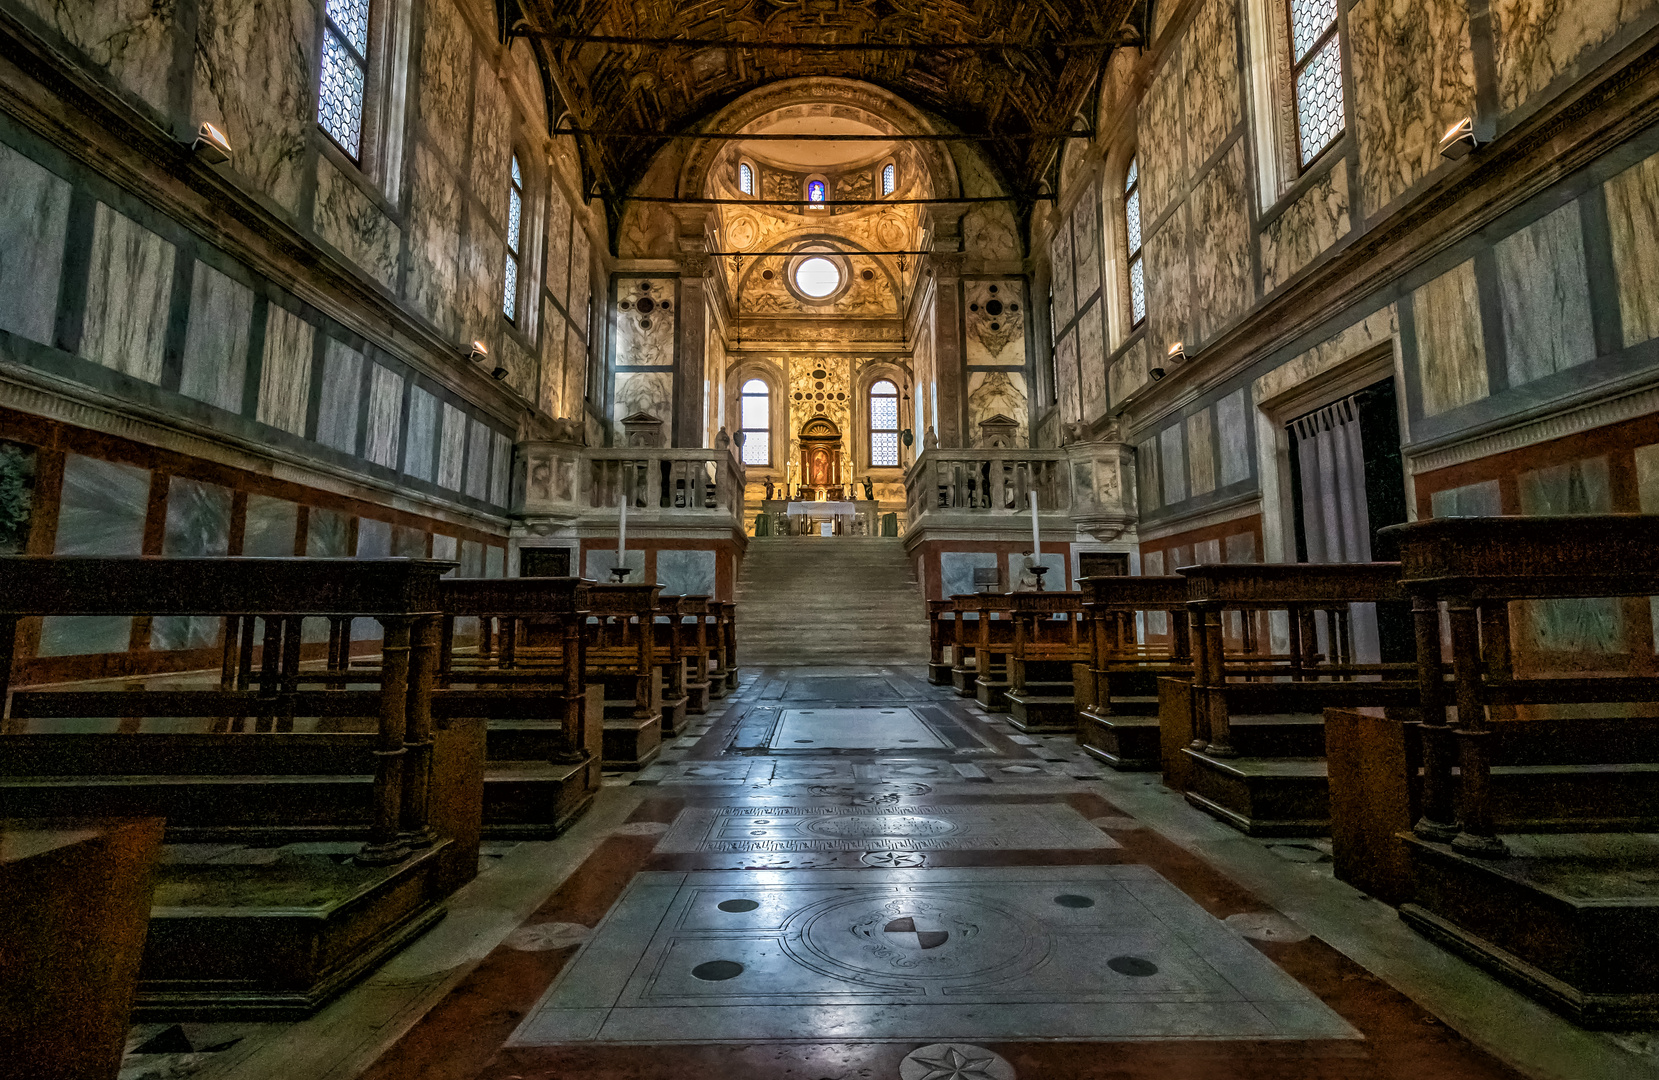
(755, 412)
(515, 238)
(1132, 240)
(745, 178)
(345, 74)
(884, 425)
(889, 178)
(1316, 68)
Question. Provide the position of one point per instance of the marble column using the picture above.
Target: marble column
(690, 359)
(949, 354)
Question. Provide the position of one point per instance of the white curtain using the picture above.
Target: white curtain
(1334, 518)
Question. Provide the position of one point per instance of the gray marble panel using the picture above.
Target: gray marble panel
(126, 296)
(687, 573)
(1222, 275)
(418, 460)
(500, 468)
(1633, 225)
(1546, 297)
(1017, 574)
(198, 524)
(1232, 430)
(100, 512)
(598, 563)
(1168, 289)
(408, 542)
(327, 533)
(1210, 77)
(472, 559)
(374, 539)
(1150, 491)
(1482, 499)
(642, 392)
(215, 364)
(452, 451)
(380, 444)
(491, 121)
(446, 74)
(478, 461)
(1091, 360)
(956, 570)
(434, 240)
(557, 271)
(483, 262)
(1451, 350)
(495, 561)
(1307, 227)
(1162, 139)
(34, 214)
(1537, 41)
(131, 40)
(1173, 464)
(1200, 453)
(581, 272)
(1061, 276)
(285, 375)
(269, 526)
(445, 547)
(1085, 231)
(342, 390)
(347, 218)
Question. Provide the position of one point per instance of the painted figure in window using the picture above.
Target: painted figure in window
(815, 191)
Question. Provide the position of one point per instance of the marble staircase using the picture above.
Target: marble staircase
(808, 600)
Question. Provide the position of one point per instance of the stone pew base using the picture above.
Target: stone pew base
(938, 674)
(962, 680)
(1048, 707)
(991, 693)
(536, 800)
(1128, 743)
(1262, 796)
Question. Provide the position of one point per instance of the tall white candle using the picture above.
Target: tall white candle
(622, 531)
(1036, 541)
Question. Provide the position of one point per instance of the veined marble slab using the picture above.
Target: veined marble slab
(1044, 827)
(854, 729)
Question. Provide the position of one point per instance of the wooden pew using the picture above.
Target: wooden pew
(728, 631)
(694, 630)
(326, 825)
(1546, 743)
(722, 678)
(941, 635)
(964, 654)
(671, 659)
(621, 657)
(1048, 643)
(1245, 739)
(1117, 697)
(527, 677)
(996, 640)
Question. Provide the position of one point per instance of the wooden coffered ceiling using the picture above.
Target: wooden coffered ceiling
(643, 85)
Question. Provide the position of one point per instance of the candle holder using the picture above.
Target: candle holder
(620, 573)
(1039, 570)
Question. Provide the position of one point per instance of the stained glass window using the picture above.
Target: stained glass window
(745, 178)
(884, 425)
(1316, 59)
(755, 416)
(345, 73)
(515, 229)
(1132, 238)
(889, 178)
(815, 191)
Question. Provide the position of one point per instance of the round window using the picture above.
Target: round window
(817, 277)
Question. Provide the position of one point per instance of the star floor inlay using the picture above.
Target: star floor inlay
(1038, 827)
(977, 953)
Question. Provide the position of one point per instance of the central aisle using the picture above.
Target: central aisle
(849, 873)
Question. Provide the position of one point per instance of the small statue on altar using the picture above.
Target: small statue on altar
(869, 490)
(769, 489)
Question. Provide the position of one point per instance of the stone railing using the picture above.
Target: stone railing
(1091, 484)
(560, 482)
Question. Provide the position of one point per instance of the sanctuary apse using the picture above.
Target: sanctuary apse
(757, 539)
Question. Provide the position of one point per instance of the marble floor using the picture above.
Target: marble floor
(976, 904)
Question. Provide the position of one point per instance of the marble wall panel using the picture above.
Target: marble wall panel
(1375, 329)
(576, 379)
(1085, 232)
(642, 391)
(434, 240)
(550, 396)
(34, 214)
(327, 533)
(1128, 372)
(1545, 292)
(215, 363)
(598, 563)
(686, 573)
(581, 275)
(101, 512)
(1162, 140)
(1222, 273)
(523, 366)
(198, 518)
(478, 460)
(1484, 499)
(374, 539)
(501, 462)
(1451, 351)
(422, 435)
(994, 322)
(1091, 360)
(956, 570)
(1068, 392)
(1232, 428)
(446, 73)
(483, 262)
(1147, 475)
(255, 66)
(491, 146)
(1200, 453)
(1537, 41)
(130, 39)
(1172, 464)
(341, 391)
(380, 443)
(998, 392)
(1210, 77)
(644, 325)
(1060, 276)
(1306, 228)
(452, 449)
(557, 272)
(529, 74)
(1168, 300)
(347, 218)
(1413, 78)
(127, 296)
(1633, 223)
(268, 527)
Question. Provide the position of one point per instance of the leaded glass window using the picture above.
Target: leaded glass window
(1316, 67)
(1132, 238)
(884, 425)
(515, 231)
(745, 178)
(815, 191)
(755, 414)
(889, 178)
(345, 73)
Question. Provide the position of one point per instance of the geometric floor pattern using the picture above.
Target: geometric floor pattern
(976, 953)
(830, 827)
(854, 729)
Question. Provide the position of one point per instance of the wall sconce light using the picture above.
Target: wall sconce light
(479, 353)
(1459, 140)
(211, 145)
(1175, 355)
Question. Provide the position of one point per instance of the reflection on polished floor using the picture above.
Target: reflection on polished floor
(992, 906)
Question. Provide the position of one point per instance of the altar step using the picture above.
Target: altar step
(807, 600)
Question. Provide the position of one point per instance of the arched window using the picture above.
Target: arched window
(815, 190)
(1132, 240)
(345, 74)
(755, 412)
(1316, 69)
(889, 179)
(884, 425)
(745, 178)
(515, 238)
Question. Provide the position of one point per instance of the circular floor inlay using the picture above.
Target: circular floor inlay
(857, 825)
(1022, 769)
(1072, 900)
(1266, 926)
(738, 905)
(954, 1061)
(545, 937)
(1132, 965)
(717, 970)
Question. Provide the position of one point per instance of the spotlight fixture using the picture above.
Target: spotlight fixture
(498, 372)
(1459, 140)
(1156, 373)
(1176, 354)
(211, 145)
(479, 353)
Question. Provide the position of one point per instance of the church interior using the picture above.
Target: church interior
(818, 539)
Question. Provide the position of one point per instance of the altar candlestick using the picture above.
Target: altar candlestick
(1036, 541)
(622, 531)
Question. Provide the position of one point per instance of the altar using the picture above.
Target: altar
(805, 517)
